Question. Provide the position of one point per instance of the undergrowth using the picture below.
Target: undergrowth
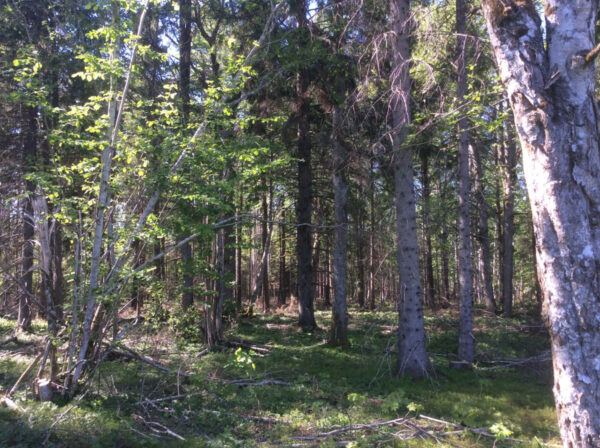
(320, 388)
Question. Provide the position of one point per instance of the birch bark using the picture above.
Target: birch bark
(550, 86)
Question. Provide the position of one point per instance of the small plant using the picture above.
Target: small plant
(500, 431)
(394, 401)
(243, 361)
(415, 408)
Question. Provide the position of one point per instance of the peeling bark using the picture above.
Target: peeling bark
(551, 90)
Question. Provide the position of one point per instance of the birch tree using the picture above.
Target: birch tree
(549, 74)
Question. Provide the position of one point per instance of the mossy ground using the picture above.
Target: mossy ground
(328, 388)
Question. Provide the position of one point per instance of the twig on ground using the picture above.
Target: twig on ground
(157, 427)
(478, 431)
(350, 428)
(515, 362)
(58, 419)
(249, 383)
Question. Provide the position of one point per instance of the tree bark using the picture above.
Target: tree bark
(185, 59)
(284, 288)
(465, 337)
(412, 357)
(29, 155)
(429, 280)
(339, 324)
(483, 234)
(550, 86)
(509, 181)
(306, 318)
(265, 213)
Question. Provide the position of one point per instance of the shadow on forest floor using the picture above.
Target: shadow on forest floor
(327, 389)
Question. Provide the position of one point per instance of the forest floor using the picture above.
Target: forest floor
(293, 389)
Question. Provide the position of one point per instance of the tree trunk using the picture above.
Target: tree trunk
(465, 337)
(371, 295)
(339, 324)
(429, 280)
(509, 181)
(360, 255)
(29, 154)
(306, 318)
(412, 357)
(265, 214)
(483, 234)
(550, 86)
(185, 52)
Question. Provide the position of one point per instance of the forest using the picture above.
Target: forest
(299, 223)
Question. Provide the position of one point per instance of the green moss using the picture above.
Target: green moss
(329, 387)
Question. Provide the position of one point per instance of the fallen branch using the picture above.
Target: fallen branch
(515, 362)
(58, 419)
(157, 427)
(8, 341)
(23, 375)
(10, 404)
(350, 428)
(132, 354)
(478, 431)
(248, 383)
(169, 398)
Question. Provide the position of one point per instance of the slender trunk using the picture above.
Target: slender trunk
(265, 215)
(339, 324)
(445, 262)
(551, 90)
(185, 51)
(465, 338)
(360, 255)
(483, 234)
(306, 318)
(328, 272)
(412, 357)
(371, 295)
(429, 280)
(498, 155)
(283, 277)
(29, 155)
(509, 180)
(239, 254)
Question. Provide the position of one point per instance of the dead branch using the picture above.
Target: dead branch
(8, 341)
(10, 404)
(506, 363)
(23, 375)
(351, 428)
(250, 383)
(479, 431)
(157, 427)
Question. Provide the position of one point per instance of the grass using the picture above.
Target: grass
(328, 388)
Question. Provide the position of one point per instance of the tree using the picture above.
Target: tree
(412, 357)
(306, 318)
(549, 74)
(465, 337)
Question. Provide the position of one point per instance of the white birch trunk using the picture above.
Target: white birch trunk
(551, 90)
